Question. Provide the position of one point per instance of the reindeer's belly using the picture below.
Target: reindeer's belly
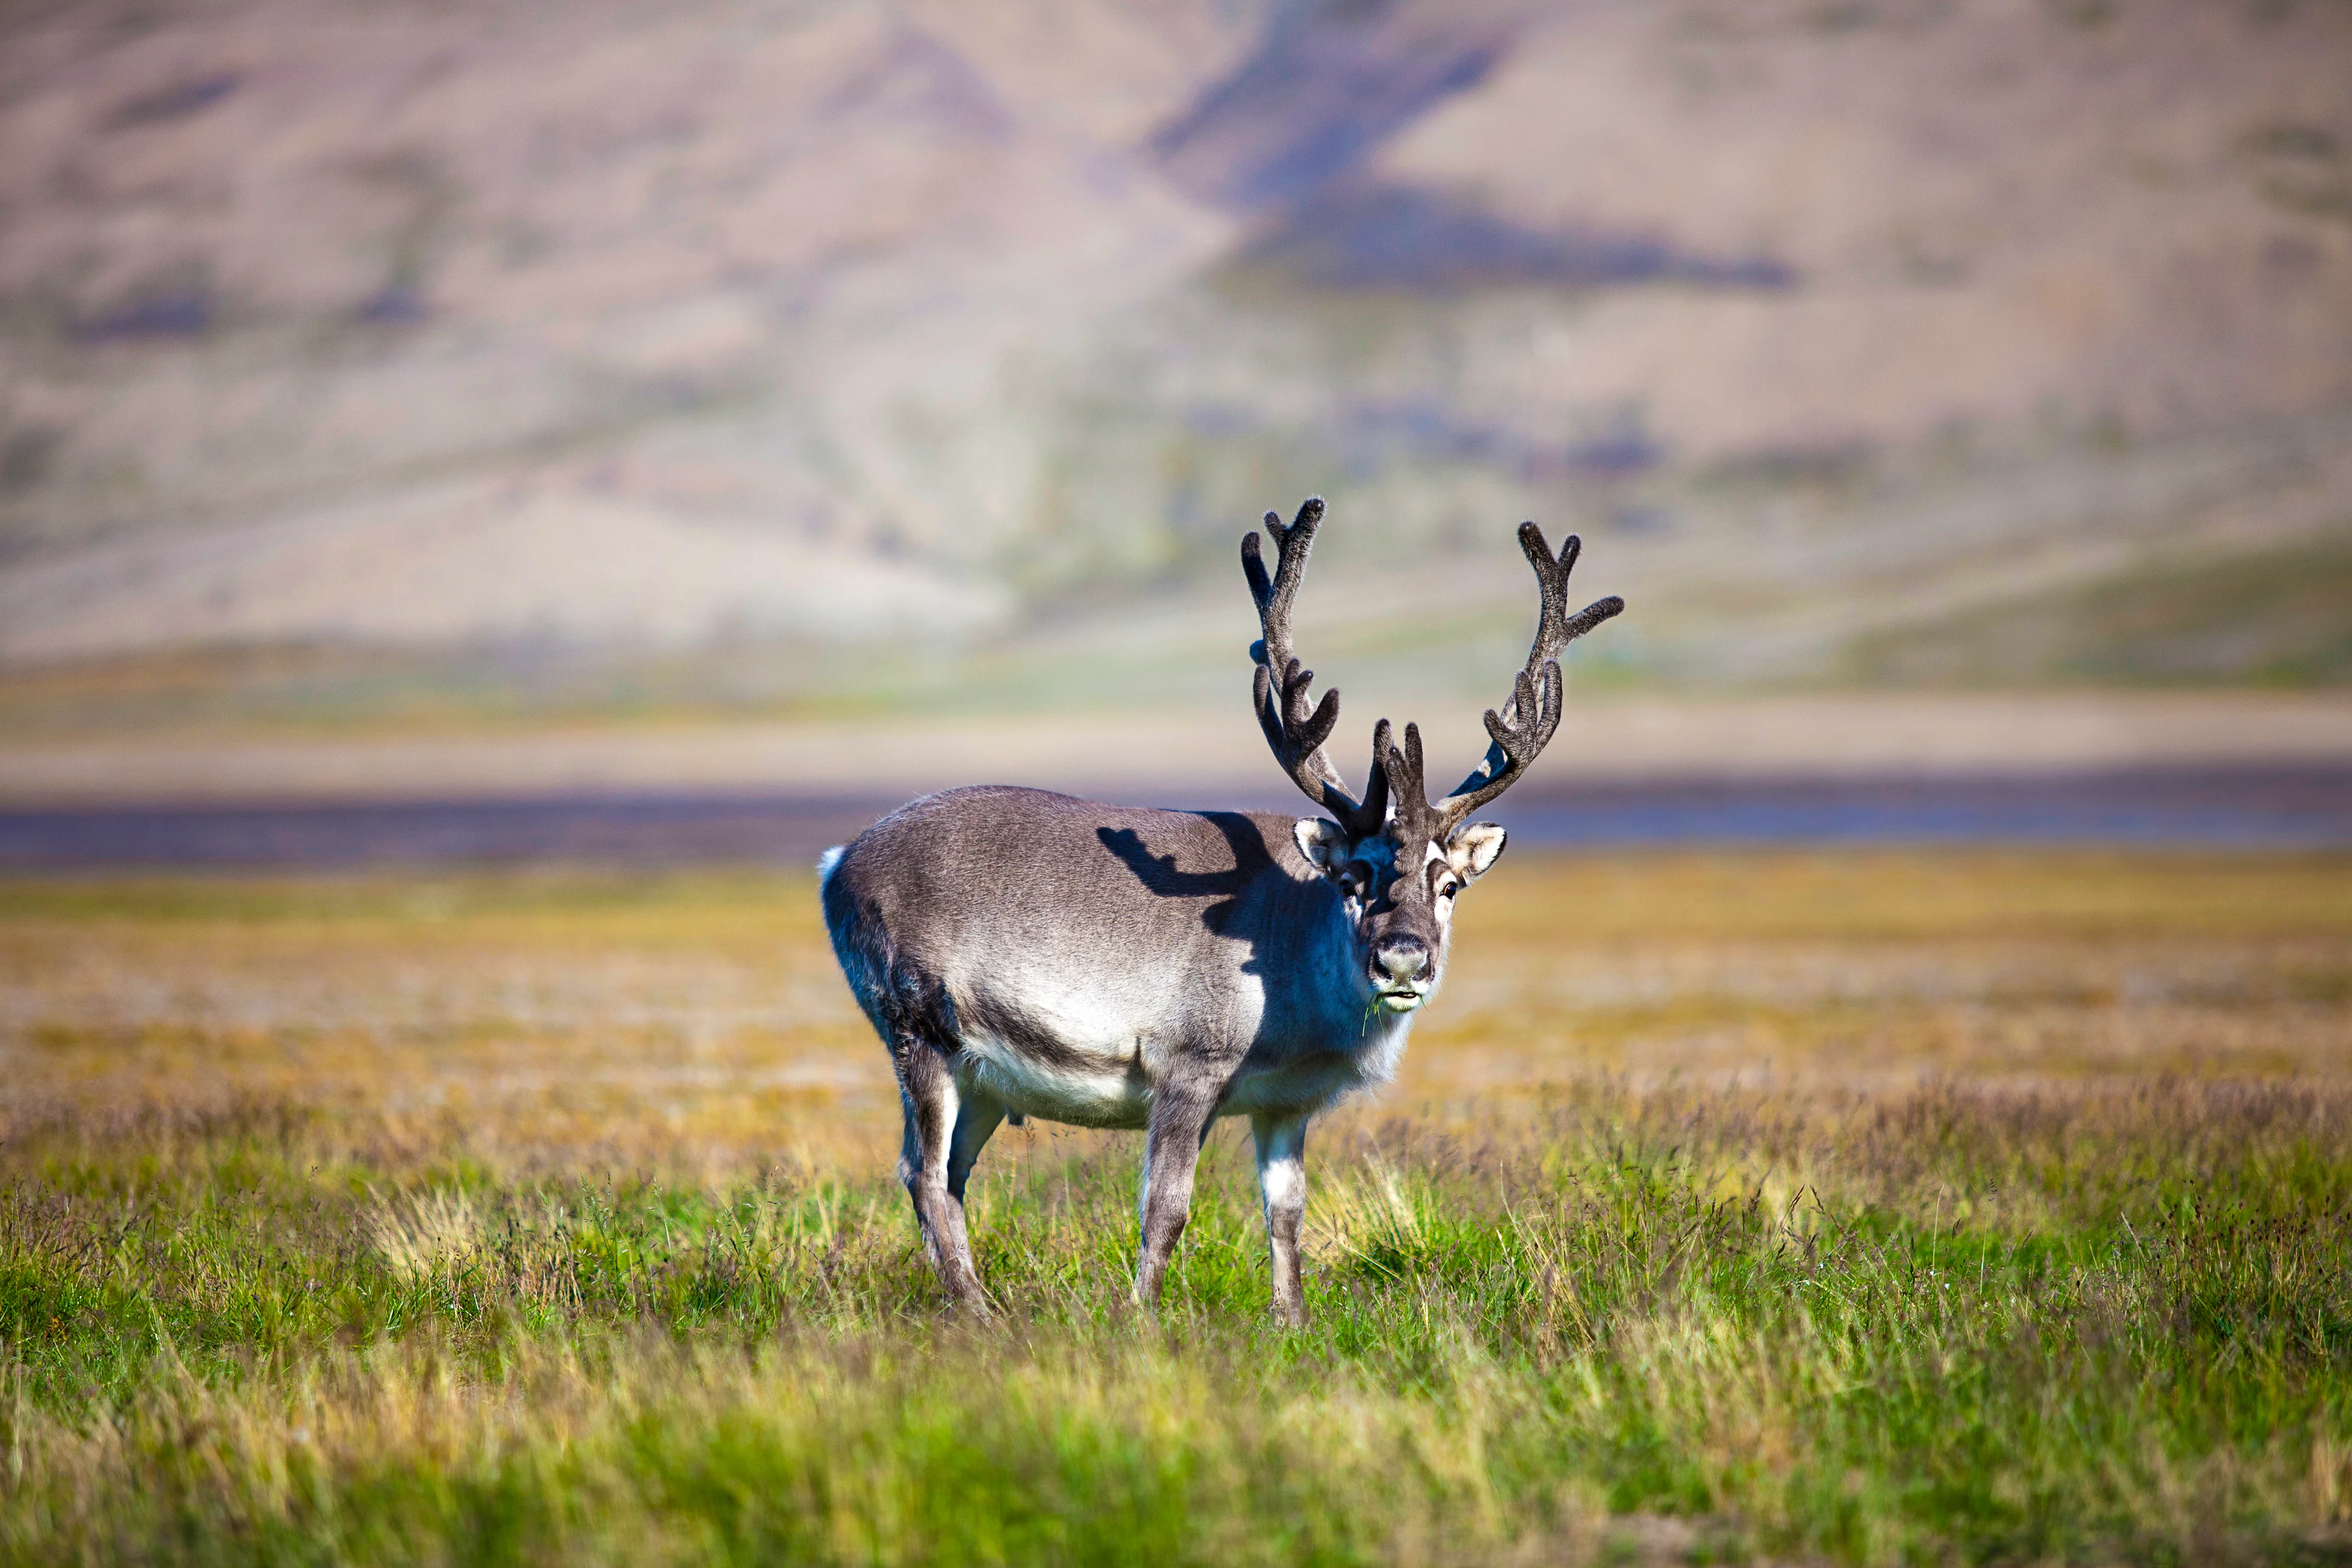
(1089, 1091)
(1061, 1063)
(1094, 1058)
(1109, 1083)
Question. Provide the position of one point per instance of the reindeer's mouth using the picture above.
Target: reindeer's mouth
(1400, 998)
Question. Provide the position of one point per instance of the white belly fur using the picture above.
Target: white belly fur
(1112, 1089)
(1107, 1092)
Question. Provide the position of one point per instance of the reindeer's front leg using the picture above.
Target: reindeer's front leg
(1282, 1183)
(1171, 1152)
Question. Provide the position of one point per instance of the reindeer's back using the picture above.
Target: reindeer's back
(1021, 898)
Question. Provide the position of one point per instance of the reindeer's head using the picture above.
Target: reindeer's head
(1397, 861)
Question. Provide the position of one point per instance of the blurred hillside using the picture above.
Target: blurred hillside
(357, 358)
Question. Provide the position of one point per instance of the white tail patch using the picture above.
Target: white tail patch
(827, 861)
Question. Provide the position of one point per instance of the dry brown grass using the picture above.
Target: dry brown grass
(695, 1024)
(1875, 1206)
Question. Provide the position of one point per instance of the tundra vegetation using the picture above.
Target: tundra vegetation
(1860, 1207)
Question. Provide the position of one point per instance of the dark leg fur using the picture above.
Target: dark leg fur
(976, 1123)
(1171, 1152)
(943, 1137)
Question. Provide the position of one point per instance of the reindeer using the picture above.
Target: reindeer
(1024, 953)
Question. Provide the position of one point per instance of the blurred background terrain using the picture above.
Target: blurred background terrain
(847, 367)
(1896, 1106)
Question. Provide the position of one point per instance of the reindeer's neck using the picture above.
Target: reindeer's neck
(1337, 994)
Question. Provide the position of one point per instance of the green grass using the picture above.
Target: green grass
(1988, 1327)
(1966, 1316)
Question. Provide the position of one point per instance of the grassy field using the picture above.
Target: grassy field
(1863, 1207)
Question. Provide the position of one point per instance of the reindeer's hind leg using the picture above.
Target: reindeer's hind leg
(937, 1131)
(977, 1119)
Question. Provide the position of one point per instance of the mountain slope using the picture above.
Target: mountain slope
(588, 329)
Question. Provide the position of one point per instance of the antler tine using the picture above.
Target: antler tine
(1280, 685)
(1407, 782)
(1531, 714)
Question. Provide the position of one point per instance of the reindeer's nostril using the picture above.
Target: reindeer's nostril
(1402, 959)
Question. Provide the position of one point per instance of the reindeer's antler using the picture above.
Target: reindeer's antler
(1279, 693)
(1529, 715)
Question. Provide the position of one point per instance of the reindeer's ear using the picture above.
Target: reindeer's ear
(1473, 849)
(1324, 842)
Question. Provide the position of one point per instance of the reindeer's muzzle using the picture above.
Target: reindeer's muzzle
(1400, 971)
